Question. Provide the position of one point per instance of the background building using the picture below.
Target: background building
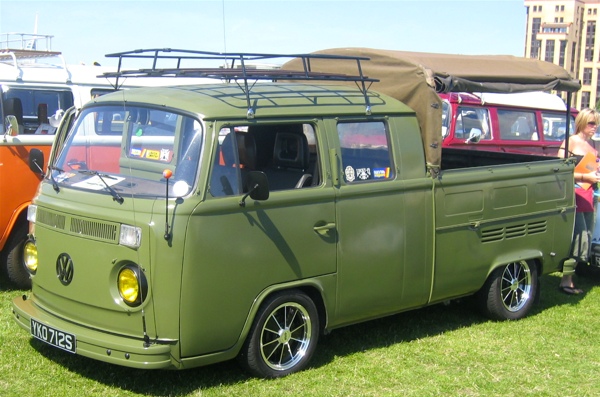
(564, 32)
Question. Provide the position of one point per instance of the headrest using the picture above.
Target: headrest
(247, 150)
(290, 151)
(14, 107)
(42, 113)
(227, 150)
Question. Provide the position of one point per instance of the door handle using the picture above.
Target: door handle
(323, 229)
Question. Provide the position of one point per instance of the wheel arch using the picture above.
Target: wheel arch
(534, 257)
(312, 288)
(18, 216)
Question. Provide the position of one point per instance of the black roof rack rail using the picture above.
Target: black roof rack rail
(237, 67)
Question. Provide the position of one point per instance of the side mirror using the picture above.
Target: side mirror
(36, 161)
(258, 185)
(474, 136)
(12, 126)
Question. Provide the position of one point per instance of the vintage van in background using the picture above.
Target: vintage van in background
(529, 122)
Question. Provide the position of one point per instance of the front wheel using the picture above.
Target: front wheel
(283, 337)
(510, 291)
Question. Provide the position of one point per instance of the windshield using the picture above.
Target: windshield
(124, 150)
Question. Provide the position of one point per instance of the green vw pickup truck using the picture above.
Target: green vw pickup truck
(182, 226)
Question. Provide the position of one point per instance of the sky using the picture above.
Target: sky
(84, 30)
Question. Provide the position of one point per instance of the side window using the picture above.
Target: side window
(517, 125)
(286, 153)
(445, 118)
(365, 151)
(37, 104)
(555, 126)
(470, 120)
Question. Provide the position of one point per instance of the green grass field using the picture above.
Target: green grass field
(436, 351)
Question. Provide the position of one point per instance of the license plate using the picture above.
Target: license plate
(52, 336)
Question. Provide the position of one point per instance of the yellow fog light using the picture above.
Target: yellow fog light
(132, 285)
(30, 256)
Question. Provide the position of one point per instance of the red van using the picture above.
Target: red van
(530, 123)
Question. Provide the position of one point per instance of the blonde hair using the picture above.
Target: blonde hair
(584, 117)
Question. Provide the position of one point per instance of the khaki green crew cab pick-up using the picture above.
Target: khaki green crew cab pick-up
(182, 226)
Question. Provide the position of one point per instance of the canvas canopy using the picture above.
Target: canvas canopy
(415, 78)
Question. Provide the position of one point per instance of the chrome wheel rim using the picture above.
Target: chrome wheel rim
(516, 285)
(285, 336)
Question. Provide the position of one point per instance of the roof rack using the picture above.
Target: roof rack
(237, 67)
(18, 47)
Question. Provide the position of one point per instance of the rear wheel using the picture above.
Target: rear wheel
(15, 266)
(283, 337)
(510, 291)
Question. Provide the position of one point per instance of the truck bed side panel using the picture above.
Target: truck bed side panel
(488, 216)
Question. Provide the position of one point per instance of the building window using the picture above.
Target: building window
(534, 8)
(536, 23)
(562, 19)
(535, 49)
(585, 99)
(549, 51)
(587, 76)
(597, 82)
(562, 8)
(561, 55)
(590, 40)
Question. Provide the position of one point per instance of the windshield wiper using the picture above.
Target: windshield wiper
(54, 183)
(116, 196)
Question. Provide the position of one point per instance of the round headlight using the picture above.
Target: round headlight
(30, 256)
(132, 285)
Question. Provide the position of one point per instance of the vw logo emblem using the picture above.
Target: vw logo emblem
(64, 269)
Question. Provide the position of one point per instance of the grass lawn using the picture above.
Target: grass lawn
(436, 351)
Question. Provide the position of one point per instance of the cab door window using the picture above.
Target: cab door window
(286, 153)
(365, 151)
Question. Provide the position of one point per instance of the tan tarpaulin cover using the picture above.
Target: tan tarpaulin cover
(415, 77)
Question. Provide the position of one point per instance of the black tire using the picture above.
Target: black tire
(510, 291)
(16, 270)
(283, 337)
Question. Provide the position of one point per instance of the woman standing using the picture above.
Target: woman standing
(586, 124)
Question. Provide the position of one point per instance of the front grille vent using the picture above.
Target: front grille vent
(51, 219)
(97, 230)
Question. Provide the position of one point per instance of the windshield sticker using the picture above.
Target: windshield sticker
(64, 176)
(95, 183)
(381, 173)
(158, 155)
(363, 173)
(350, 176)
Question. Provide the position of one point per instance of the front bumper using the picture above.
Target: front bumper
(102, 346)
